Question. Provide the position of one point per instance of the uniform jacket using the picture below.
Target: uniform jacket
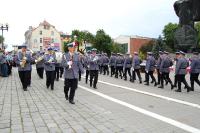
(165, 64)
(73, 71)
(128, 62)
(27, 66)
(136, 62)
(195, 64)
(181, 66)
(49, 66)
(93, 62)
(150, 64)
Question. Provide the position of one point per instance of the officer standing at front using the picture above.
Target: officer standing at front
(180, 71)
(195, 70)
(127, 66)
(150, 67)
(94, 68)
(49, 66)
(23, 61)
(72, 64)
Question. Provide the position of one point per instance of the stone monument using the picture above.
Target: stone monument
(186, 37)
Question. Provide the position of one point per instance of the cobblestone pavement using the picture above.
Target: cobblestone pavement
(41, 110)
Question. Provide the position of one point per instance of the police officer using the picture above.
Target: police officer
(195, 70)
(49, 66)
(94, 68)
(24, 62)
(57, 66)
(100, 63)
(105, 64)
(136, 67)
(158, 66)
(72, 64)
(40, 64)
(4, 66)
(86, 65)
(180, 71)
(119, 65)
(127, 66)
(112, 64)
(176, 60)
(164, 70)
(150, 67)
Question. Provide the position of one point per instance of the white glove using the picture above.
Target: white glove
(69, 63)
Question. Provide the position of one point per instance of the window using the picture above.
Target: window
(35, 40)
(40, 32)
(40, 40)
(52, 33)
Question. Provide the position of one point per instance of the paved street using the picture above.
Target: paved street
(116, 106)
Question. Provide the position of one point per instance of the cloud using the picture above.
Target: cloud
(116, 17)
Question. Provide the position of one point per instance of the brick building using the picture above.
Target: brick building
(131, 44)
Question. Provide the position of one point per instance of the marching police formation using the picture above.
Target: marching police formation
(127, 67)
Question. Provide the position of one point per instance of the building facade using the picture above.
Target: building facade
(42, 37)
(131, 44)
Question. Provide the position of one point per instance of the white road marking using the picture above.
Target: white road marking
(145, 112)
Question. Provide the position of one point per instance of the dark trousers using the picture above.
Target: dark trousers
(181, 79)
(70, 84)
(40, 72)
(105, 70)
(79, 75)
(158, 75)
(127, 70)
(150, 74)
(50, 79)
(93, 75)
(194, 78)
(136, 71)
(57, 73)
(112, 70)
(23, 75)
(86, 76)
(9, 68)
(165, 76)
(119, 70)
(61, 71)
(100, 69)
(29, 77)
(4, 70)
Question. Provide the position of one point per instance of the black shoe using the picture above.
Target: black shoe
(140, 82)
(155, 84)
(178, 90)
(145, 81)
(72, 102)
(125, 79)
(95, 87)
(47, 87)
(52, 88)
(161, 87)
(152, 82)
(25, 89)
(57, 79)
(66, 97)
(147, 84)
(175, 86)
(189, 89)
(166, 83)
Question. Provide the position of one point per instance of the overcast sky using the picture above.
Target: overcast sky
(116, 17)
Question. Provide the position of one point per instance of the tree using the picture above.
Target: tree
(160, 46)
(168, 33)
(197, 27)
(116, 48)
(103, 42)
(146, 48)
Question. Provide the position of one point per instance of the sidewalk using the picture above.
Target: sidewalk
(42, 110)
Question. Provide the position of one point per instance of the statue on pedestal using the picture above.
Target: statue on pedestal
(186, 37)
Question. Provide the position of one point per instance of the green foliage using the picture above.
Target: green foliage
(142, 55)
(147, 48)
(103, 42)
(116, 48)
(168, 33)
(197, 27)
(160, 46)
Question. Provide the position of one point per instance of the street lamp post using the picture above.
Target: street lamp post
(2, 28)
